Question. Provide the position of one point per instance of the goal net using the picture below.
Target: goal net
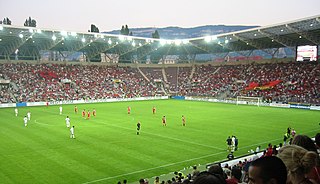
(249, 100)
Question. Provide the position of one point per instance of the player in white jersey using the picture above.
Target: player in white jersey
(72, 133)
(68, 122)
(60, 108)
(29, 115)
(25, 120)
(16, 111)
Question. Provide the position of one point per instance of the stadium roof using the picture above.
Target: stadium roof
(29, 41)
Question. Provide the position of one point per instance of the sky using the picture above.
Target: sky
(107, 15)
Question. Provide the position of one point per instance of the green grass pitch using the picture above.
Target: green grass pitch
(107, 149)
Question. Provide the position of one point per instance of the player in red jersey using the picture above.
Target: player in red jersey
(164, 121)
(84, 113)
(94, 112)
(183, 121)
(75, 109)
(153, 110)
(129, 109)
(88, 114)
(47, 104)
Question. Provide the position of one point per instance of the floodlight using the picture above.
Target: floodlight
(226, 41)
(38, 30)
(31, 30)
(133, 44)
(185, 41)
(54, 38)
(207, 39)
(311, 25)
(163, 42)
(247, 43)
(109, 41)
(177, 42)
(33, 41)
(62, 43)
(300, 36)
(129, 38)
(1, 28)
(83, 40)
(0, 39)
(73, 34)
(255, 34)
(281, 30)
(140, 44)
(117, 43)
(214, 37)
(21, 35)
(64, 33)
(121, 38)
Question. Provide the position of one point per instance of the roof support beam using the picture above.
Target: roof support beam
(305, 34)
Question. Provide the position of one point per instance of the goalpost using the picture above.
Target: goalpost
(249, 100)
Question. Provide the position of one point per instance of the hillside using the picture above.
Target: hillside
(181, 33)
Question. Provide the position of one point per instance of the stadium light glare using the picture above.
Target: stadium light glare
(185, 41)
(1, 28)
(30, 30)
(177, 42)
(247, 43)
(214, 37)
(21, 35)
(64, 33)
(133, 44)
(121, 38)
(300, 36)
(117, 43)
(163, 42)
(54, 38)
(208, 38)
(140, 44)
(0, 39)
(272, 40)
(281, 30)
(39, 31)
(83, 40)
(219, 42)
(109, 41)
(255, 34)
(73, 34)
(226, 41)
(311, 25)
(129, 38)
(33, 41)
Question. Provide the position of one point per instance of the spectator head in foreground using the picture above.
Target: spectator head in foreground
(299, 162)
(267, 170)
(208, 178)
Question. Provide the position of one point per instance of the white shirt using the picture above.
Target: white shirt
(68, 120)
(25, 119)
(29, 114)
(72, 130)
(60, 109)
(16, 110)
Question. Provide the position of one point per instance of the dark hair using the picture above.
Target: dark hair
(209, 178)
(271, 167)
(236, 172)
(215, 169)
(305, 142)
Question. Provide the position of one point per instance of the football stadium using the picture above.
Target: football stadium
(86, 107)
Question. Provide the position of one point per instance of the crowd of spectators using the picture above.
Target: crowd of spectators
(53, 82)
(296, 163)
(299, 82)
